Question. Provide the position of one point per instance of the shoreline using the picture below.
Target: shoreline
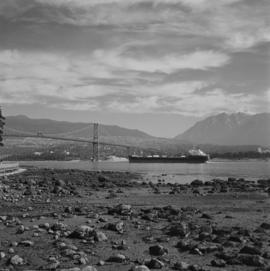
(58, 219)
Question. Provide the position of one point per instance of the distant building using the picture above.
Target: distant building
(66, 152)
(261, 150)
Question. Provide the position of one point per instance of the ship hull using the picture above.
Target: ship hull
(188, 159)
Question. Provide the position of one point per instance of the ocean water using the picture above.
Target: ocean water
(182, 173)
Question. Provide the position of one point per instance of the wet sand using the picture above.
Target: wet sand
(63, 219)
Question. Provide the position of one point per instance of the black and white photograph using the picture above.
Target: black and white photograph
(134, 135)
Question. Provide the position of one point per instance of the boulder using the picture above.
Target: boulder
(182, 266)
(118, 258)
(252, 260)
(100, 236)
(157, 250)
(250, 250)
(81, 232)
(154, 264)
(140, 268)
(16, 260)
(89, 268)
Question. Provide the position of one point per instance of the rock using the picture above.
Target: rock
(100, 236)
(60, 183)
(21, 229)
(206, 216)
(2, 255)
(266, 255)
(102, 219)
(3, 218)
(69, 252)
(53, 265)
(103, 179)
(184, 245)
(265, 226)
(118, 258)
(11, 250)
(14, 244)
(250, 250)
(59, 226)
(196, 251)
(45, 226)
(154, 264)
(252, 260)
(101, 263)
(218, 263)
(16, 260)
(182, 266)
(120, 209)
(89, 268)
(196, 183)
(71, 269)
(81, 232)
(26, 243)
(140, 268)
(180, 229)
(118, 227)
(68, 210)
(157, 250)
(83, 260)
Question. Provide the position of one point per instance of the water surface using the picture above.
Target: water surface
(248, 169)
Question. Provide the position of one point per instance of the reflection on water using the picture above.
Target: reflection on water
(250, 169)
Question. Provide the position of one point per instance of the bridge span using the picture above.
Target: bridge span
(94, 141)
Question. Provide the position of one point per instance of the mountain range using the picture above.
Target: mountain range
(222, 129)
(52, 127)
(230, 129)
(108, 133)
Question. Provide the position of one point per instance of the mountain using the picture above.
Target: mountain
(107, 133)
(23, 124)
(230, 129)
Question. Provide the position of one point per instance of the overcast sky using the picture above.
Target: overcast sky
(156, 65)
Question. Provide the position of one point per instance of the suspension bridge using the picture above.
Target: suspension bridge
(94, 140)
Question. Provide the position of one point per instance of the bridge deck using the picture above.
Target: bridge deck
(67, 139)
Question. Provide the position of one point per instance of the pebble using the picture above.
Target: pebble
(2, 255)
(101, 263)
(11, 250)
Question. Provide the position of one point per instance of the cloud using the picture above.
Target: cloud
(36, 77)
(190, 104)
(168, 63)
(175, 56)
(239, 24)
(111, 80)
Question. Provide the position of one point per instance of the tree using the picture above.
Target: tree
(2, 123)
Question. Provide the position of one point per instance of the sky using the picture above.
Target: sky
(154, 65)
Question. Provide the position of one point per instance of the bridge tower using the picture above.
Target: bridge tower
(95, 143)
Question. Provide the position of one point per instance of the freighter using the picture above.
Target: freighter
(194, 156)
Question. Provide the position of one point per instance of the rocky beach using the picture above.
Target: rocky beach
(78, 220)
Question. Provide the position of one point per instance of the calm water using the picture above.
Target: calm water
(249, 169)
